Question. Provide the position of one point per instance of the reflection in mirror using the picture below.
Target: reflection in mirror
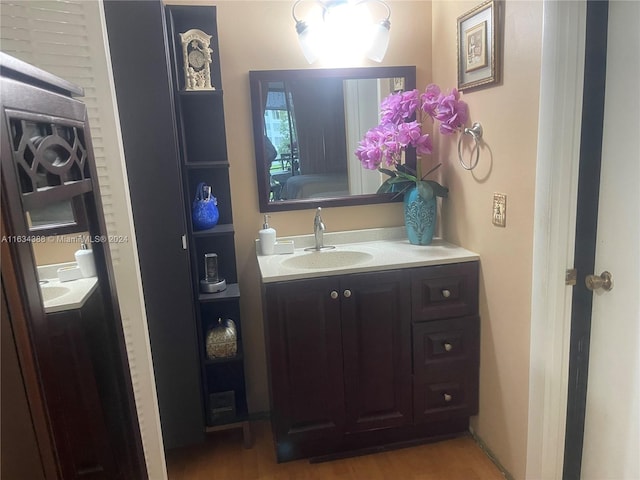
(57, 214)
(64, 285)
(307, 125)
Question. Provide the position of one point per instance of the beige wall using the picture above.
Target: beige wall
(509, 114)
(58, 249)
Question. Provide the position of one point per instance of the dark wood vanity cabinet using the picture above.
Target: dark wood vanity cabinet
(353, 366)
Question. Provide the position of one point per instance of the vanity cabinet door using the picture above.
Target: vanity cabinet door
(376, 344)
(78, 413)
(305, 358)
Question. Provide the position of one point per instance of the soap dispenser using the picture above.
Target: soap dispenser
(84, 259)
(267, 237)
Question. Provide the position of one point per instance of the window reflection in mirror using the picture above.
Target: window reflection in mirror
(307, 125)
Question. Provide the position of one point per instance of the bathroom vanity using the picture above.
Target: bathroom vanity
(370, 345)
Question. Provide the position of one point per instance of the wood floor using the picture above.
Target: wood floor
(222, 457)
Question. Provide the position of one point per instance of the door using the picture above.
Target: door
(612, 423)
(606, 404)
(376, 341)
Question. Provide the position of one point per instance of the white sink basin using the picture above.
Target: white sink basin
(327, 259)
(58, 296)
(51, 292)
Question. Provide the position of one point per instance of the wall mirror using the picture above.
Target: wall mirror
(306, 128)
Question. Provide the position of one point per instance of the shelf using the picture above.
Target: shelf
(220, 229)
(186, 93)
(232, 292)
(215, 164)
(235, 422)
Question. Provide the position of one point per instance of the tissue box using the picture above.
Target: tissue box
(66, 274)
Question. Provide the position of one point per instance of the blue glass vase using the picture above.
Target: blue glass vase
(419, 217)
(204, 212)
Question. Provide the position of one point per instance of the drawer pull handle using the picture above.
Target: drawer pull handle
(334, 294)
(447, 346)
(347, 293)
(446, 293)
(447, 397)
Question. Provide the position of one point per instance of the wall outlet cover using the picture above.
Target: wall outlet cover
(499, 215)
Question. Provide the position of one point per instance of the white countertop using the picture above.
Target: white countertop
(381, 249)
(78, 290)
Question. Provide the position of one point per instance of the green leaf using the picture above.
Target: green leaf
(398, 179)
(438, 189)
(385, 188)
(395, 185)
(386, 171)
(406, 176)
(406, 169)
(425, 190)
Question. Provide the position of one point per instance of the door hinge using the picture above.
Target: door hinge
(571, 276)
(184, 242)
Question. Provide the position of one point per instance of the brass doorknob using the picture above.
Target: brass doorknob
(604, 281)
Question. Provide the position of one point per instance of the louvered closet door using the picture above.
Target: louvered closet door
(65, 38)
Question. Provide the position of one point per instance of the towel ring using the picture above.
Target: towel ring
(476, 132)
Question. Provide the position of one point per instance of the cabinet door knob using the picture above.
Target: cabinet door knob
(347, 293)
(447, 397)
(447, 346)
(446, 293)
(334, 294)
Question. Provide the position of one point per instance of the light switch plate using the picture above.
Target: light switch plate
(499, 215)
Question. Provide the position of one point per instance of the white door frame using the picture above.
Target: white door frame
(559, 124)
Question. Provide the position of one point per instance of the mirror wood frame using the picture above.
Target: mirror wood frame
(256, 81)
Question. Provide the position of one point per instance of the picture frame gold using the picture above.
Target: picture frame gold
(478, 46)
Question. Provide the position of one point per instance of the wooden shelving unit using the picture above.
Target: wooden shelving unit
(202, 143)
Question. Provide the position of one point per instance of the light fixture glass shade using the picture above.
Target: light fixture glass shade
(307, 42)
(379, 41)
(341, 30)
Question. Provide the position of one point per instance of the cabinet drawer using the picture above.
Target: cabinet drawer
(444, 291)
(445, 344)
(454, 395)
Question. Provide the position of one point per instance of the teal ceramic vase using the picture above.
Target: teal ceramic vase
(419, 217)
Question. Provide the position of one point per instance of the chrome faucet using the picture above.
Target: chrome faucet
(318, 229)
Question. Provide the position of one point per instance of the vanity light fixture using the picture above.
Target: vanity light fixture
(345, 23)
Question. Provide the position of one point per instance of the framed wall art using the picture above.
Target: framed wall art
(479, 60)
